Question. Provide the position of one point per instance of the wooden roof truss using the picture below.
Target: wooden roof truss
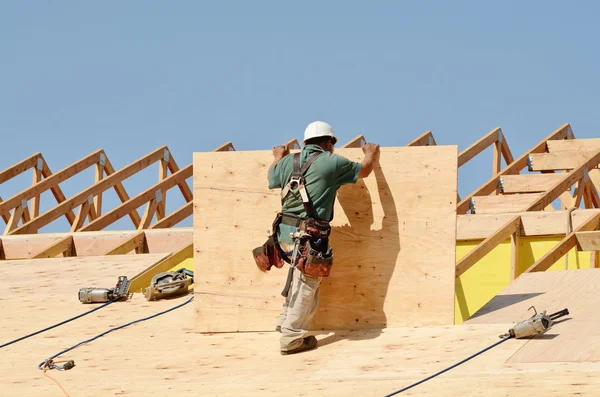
(506, 206)
(555, 165)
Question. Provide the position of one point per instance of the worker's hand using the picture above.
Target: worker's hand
(371, 149)
(280, 152)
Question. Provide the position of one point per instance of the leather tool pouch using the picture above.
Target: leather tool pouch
(268, 255)
(315, 263)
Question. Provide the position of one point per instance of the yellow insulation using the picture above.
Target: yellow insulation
(491, 274)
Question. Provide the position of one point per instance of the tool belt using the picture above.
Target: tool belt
(312, 254)
(313, 262)
(270, 253)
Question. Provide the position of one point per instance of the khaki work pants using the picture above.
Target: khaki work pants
(299, 307)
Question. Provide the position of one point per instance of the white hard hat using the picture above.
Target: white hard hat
(318, 129)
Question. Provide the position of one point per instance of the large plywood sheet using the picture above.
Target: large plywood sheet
(574, 338)
(393, 238)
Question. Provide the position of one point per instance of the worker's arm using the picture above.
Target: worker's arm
(279, 152)
(371, 151)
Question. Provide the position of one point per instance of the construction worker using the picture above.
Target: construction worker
(309, 181)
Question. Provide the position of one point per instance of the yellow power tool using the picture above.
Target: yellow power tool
(167, 284)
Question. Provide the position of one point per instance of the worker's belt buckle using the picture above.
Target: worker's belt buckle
(295, 181)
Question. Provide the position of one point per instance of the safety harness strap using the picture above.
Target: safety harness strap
(297, 180)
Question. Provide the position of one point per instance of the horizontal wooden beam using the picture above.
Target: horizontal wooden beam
(533, 223)
(504, 203)
(134, 242)
(19, 167)
(425, 139)
(564, 246)
(567, 146)
(55, 249)
(47, 183)
(487, 245)
(558, 161)
(134, 203)
(142, 279)
(513, 168)
(175, 217)
(529, 183)
(486, 141)
(101, 186)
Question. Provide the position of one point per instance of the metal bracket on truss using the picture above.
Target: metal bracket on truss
(158, 196)
(586, 176)
(472, 205)
(102, 159)
(530, 163)
(40, 164)
(166, 155)
(500, 137)
(24, 203)
(570, 134)
(501, 185)
(90, 199)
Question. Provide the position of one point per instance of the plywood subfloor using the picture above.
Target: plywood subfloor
(164, 356)
(574, 338)
(34, 286)
(393, 238)
(160, 358)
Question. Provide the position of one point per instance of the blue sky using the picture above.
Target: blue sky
(131, 76)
